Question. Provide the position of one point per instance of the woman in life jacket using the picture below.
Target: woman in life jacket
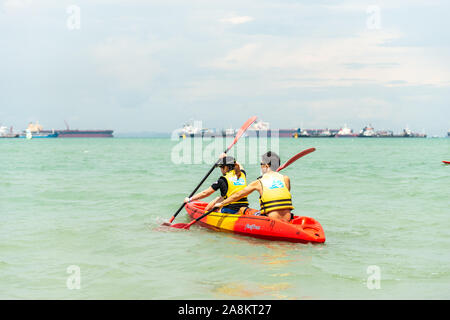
(233, 180)
(274, 188)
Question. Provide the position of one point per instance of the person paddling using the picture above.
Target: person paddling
(233, 180)
(274, 189)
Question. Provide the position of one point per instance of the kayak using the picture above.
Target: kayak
(300, 229)
(446, 162)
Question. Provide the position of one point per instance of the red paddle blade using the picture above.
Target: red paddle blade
(183, 225)
(188, 225)
(296, 157)
(241, 131)
(179, 225)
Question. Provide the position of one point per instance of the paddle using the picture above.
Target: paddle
(285, 165)
(188, 225)
(236, 138)
(296, 157)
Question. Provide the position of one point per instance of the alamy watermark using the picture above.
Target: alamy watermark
(74, 19)
(373, 21)
(74, 280)
(374, 278)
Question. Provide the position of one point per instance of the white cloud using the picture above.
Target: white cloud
(16, 4)
(237, 20)
(339, 109)
(330, 60)
(358, 6)
(127, 60)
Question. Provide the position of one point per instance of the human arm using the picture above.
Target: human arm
(254, 186)
(287, 182)
(205, 193)
(212, 203)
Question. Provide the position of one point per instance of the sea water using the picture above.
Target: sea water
(81, 219)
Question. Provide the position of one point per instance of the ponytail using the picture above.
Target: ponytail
(237, 170)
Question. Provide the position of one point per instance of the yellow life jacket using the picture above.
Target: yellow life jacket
(236, 184)
(275, 194)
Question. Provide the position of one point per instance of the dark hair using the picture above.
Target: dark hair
(272, 159)
(226, 162)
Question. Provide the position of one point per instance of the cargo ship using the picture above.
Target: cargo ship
(262, 129)
(316, 133)
(85, 133)
(38, 132)
(71, 133)
(4, 133)
(194, 129)
(409, 134)
(369, 132)
(346, 132)
(259, 129)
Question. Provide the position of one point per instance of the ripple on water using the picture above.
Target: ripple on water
(381, 203)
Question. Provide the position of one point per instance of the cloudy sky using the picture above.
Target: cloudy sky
(135, 65)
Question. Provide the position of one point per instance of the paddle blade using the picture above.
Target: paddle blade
(180, 225)
(241, 131)
(169, 223)
(296, 157)
(188, 225)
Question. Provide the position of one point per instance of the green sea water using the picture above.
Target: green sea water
(97, 205)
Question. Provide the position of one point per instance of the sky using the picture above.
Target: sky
(150, 66)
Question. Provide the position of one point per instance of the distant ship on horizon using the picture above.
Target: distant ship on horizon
(369, 132)
(37, 131)
(5, 133)
(316, 133)
(262, 129)
(346, 132)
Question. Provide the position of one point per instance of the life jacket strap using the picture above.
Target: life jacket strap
(276, 201)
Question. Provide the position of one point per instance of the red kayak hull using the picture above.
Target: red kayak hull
(300, 229)
(446, 162)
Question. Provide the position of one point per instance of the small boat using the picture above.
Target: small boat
(34, 130)
(300, 229)
(446, 162)
(33, 135)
